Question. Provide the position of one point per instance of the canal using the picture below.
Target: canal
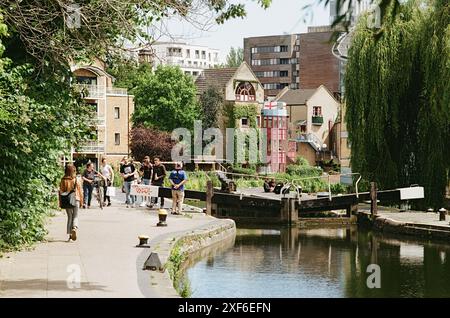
(322, 262)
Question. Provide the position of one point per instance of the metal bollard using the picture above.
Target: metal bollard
(162, 215)
(442, 213)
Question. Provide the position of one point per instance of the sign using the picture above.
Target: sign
(411, 193)
(144, 190)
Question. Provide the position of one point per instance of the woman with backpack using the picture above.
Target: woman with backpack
(70, 194)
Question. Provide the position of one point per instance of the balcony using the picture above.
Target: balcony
(91, 91)
(317, 120)
(91, 147)
(97, 121)
(117, 91)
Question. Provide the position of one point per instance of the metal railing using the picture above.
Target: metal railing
(91, 90)
(312, 139)
(117, 91)
(92, 147)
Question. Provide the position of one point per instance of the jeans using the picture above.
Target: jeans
(87, 190)
(72, 218)
(146, 182)
(177, 201)
(105, 187)
(130, 198)
(155, 199)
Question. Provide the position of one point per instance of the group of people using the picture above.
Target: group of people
(153, 174)
(148, 174)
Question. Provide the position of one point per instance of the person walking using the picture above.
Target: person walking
(88, 186)
(159, 174)
(127, 171)
(108, 174)
(68, 184)
(146, 172)
(177, 179)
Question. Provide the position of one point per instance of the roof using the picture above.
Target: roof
(215, 77)
(295, 96)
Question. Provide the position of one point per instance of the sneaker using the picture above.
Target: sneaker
(73, 234)
(142, 205)
(84, 206)
(109, 204)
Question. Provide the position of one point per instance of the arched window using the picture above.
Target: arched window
(245, 92)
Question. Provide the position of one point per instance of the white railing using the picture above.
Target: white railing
(92, 147)
(97, 121)
(117, 91)
(312, 139)
(91, 91)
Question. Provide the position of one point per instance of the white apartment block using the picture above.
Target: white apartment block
(192, 59)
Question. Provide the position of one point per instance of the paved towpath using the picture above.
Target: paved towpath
(104, 257)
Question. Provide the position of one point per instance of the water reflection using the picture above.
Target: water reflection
(322, 263)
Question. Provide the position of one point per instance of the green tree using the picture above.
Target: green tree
(398, 105)
(211, 103)
(128, 72)
(166, 100)
(235, 57)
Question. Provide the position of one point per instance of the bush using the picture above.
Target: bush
(151, 142)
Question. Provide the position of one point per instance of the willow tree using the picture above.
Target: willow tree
(398, 98)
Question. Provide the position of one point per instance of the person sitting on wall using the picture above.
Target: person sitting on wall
(272, 185)
(266, 186)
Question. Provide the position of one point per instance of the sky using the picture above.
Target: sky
(283, 16)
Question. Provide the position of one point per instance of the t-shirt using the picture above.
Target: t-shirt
(127, 169)
(177, 176)
(159, 171)
(106, 171)
(147, 170)
(89, 175)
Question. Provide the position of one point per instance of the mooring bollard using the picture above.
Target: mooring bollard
(442, 213)
(162, 215)
(143, 241)
(430, 210)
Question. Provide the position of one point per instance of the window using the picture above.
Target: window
(187, 72)
(284, 61)
(116, 112)
(245, 92)
(317, 111)
(283, 73)
(209, 57)
(244, 122)
(117, 139)
(197, 54)
(195, 73)
(188, 53)
(203, 55)
(283, 48)
(86, 80)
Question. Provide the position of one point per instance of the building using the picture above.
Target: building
(111, 115)
(313, 115)
(294, 61)
(192, 59)
(273, 59)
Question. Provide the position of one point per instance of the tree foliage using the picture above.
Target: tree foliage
(39, 120)
(151, 142)
(398, 99)
(166, 100)
(211, 103)
(235, 57)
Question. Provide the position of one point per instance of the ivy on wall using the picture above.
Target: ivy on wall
(235, 112)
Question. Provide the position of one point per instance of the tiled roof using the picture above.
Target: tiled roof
(216, 77)
(296, 96)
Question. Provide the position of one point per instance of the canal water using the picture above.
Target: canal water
(322, 262)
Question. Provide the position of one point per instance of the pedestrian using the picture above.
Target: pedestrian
(108, 174)
(88, 184)
(69, 184)
(177, 179)
(146, 172)
(159, 174)
(127, 172)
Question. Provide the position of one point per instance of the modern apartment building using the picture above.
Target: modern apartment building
(192, 59)
(111, 115)
(295, 61)
(274, 61)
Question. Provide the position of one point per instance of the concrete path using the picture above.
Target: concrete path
(103, 262)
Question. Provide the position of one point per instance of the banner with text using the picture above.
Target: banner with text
(144, 190)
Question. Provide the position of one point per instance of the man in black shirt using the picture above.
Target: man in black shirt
(146, 172)
(159, 173)
(127, 171)
(88, 180)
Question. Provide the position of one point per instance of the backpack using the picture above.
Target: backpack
(68, 199)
